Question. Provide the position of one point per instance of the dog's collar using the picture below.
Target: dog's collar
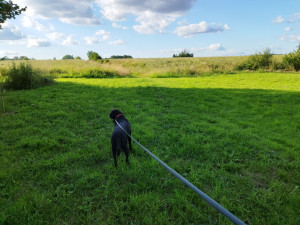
(119, 115)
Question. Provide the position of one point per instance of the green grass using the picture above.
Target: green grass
(236, 137)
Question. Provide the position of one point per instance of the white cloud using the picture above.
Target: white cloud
(115, 25)
(292, 38)
(8, 53)
(90, 40)
(152, 15)
(10, 32)
(99, 36)
(288, 29)
(279, 19)
(151, 23)
(117, 42)
(104, 34)
(294, 18)
(31, 22)
(68, 11)
(56, 36)
(69, 41)
(202, 27)
(226, 27)
(215, 47)
(33, 41)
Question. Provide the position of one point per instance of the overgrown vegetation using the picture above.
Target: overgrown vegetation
(23, 76)
(257, 61)
(2, 80)
(233, 136)
(164, 67)
(292, 60)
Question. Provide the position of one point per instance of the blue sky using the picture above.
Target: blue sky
(151, 28)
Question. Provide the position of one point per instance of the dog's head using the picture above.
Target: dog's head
(114, 114)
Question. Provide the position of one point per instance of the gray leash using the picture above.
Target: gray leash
(208, 199)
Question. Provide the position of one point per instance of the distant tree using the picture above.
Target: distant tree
(93, 56)
(68, 57)
(184, 53)
(121, 57)
(23, 58)
(77, 57)
(9, 10)
(4, 58)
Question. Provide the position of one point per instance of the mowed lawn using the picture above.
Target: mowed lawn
(236, 137)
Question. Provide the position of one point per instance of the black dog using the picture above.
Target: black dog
(119, 137)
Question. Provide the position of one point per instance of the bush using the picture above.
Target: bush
(93, 56)
(257, 61)
(68, 57)
(25, 77)
(292, 60)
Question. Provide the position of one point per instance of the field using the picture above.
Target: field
(234, 136)
(168, 67)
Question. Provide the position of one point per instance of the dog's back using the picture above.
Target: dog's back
(119, 138)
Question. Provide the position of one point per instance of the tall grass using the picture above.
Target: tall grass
(23, 76)
(163, 67)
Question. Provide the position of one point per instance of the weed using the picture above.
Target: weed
(24, 76)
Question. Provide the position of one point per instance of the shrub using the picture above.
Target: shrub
(93, 56)
(25, 77)
(257, 61)
(292, 60)
(68, 57)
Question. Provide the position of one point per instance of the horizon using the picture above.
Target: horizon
(150, 29)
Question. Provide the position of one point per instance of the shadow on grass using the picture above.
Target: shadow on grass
(240, 146)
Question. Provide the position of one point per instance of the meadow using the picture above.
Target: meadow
(234, 136)
(167, 67)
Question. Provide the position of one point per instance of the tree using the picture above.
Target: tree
(93, 56)
(121, 57)
(9, 10)
(68, 57)
(184, 53)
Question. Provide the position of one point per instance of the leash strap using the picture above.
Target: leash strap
(208, 199)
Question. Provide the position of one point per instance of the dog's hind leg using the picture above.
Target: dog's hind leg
(129, 141)
(114, 151)
(126, 153)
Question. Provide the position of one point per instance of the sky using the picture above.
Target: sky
(151, 28)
